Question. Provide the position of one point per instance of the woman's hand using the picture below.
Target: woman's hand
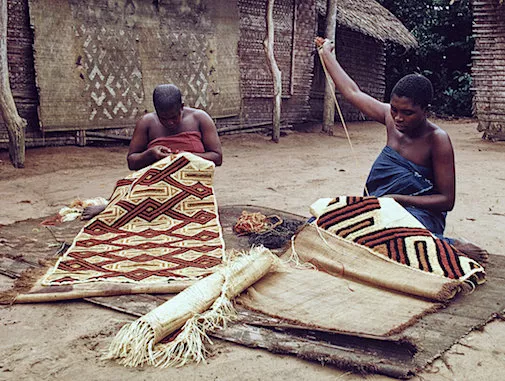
(324, 44)
(160, 152)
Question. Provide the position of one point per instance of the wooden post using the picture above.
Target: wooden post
(329, 104)
(15, 124)
(293, 49)
(276, 73)
(80, 138)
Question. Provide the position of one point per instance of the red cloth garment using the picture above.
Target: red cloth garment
(187, 141)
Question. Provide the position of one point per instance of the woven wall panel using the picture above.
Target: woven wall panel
(20, 63)
(488, 68)
(364, 60)
(296, 109)
(257, 101)
(98, 62)
(224, 71)
(256, 78)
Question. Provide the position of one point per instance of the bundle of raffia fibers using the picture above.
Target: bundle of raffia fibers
(203, 307)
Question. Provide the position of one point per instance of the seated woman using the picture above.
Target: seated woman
(171, 129)
(416, 168)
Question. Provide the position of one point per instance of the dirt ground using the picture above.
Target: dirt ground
(65, 340)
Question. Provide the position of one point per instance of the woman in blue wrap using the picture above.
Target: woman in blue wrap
(416, 167)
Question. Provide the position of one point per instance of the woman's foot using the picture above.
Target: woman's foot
(472, 251)
(91, 211)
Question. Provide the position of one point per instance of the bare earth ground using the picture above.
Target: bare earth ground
(65, 340)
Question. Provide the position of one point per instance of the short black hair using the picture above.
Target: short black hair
(166, 98)
(416, 87)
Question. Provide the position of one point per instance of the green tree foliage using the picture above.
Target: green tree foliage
(444, 33)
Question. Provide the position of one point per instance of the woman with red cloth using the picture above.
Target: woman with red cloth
(171, 129)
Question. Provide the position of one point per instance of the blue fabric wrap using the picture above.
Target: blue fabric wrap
(391, 173)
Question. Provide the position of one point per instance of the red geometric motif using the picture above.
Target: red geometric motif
(354, 208)
(161, 224)
(359, 218)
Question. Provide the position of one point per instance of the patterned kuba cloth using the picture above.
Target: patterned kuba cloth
(160, 224)
(383, 226)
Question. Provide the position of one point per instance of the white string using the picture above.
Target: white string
(330, 83)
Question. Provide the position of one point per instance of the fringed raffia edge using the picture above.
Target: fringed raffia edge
(295, 261)
(190, 345)
(134, 345)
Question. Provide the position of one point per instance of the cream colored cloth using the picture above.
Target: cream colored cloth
(315, 299)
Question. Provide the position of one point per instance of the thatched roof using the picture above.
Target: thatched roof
(372, 19)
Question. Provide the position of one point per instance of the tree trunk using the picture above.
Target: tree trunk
(274, 69)
(15, 124)
(329, 103)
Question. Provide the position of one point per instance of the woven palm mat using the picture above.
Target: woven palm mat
(25, 243)
(160, 224)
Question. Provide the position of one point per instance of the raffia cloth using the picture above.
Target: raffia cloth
(343, 258)
(315, 299)
(355, 291)
(161, 224)
(382, 227)
(203, 307)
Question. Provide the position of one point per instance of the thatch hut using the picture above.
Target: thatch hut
(87, 69)
(363, 28)
(488, 68)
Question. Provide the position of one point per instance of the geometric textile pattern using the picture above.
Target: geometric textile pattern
(361, 221)
(112, 69)
(190, 74)
(160, 224)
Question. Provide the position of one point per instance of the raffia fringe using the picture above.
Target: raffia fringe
(137, 344)
(189, 345)
(132, 344)
(294, 260)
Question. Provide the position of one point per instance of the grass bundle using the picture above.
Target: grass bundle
(203, 307)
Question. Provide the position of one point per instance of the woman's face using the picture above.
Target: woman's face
(408, 117)
(170, 118)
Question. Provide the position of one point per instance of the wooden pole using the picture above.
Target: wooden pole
(329, 104)
(14, 123)
(293, 49)
(274, 69)
(57, 293)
